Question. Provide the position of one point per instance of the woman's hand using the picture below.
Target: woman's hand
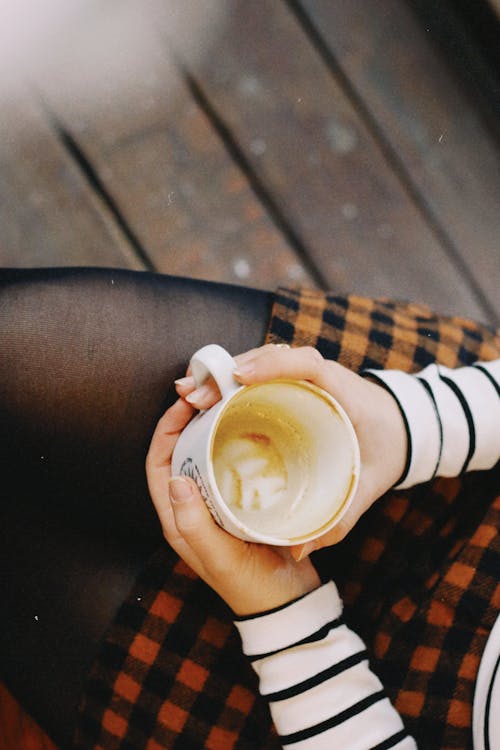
(372, 410)
(251, 578)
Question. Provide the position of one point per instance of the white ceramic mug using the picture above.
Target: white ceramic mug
(276, 462)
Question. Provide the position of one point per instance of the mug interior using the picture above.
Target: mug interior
(301, 450)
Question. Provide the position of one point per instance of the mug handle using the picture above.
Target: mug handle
(215, 361)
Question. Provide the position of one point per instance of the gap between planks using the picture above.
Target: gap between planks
(396, 163)
(76, 153)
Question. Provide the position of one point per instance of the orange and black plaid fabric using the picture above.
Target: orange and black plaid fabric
(418, 575)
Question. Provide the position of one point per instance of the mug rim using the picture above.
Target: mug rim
(250, 533)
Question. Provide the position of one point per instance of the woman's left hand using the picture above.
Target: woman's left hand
(251, 578)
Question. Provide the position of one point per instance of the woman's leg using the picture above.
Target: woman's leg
(87, 360)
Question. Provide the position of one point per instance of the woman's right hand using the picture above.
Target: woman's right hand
(373, 411)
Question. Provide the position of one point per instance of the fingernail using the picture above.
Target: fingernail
(180, 490)
(198, 395)
(184, 381)
(303, 552)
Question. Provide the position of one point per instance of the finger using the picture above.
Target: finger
(211, 546)
(170, 531)
(166, 432)
(273, 362)
(341, 530)
(334, 536)
(206, 394)
(201, 397)
(302, 363)
(185, 385)
(159, 458)
(299, 552)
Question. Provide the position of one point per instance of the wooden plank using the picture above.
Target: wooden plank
(48, 212)
(467, 35)
(327, 173)
(427, 118)
(191, 206)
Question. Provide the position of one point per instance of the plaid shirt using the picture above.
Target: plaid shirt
(418, 576)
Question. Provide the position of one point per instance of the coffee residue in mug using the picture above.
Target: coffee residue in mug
(250, 472)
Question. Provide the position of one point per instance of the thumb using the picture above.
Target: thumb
(193, 520)
(181, 490)
(300, 551)
(190, 512)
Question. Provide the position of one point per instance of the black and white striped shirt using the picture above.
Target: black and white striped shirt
(313, 669)
(452, 418)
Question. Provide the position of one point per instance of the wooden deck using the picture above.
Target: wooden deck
(317, 142)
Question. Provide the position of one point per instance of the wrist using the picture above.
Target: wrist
(276, 629)
(395, 437)
(276, 592)
(388, 435)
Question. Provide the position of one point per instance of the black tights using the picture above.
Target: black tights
(87, 360)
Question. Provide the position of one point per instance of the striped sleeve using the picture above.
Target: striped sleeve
(314, 672)
(452, 418)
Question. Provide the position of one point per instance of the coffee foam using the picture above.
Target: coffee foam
(252, 474)
(260, 458)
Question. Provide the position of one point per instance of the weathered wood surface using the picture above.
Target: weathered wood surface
(274, 163)
(427, 120)
(308, 143)
(190, 205)
(49, 214)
